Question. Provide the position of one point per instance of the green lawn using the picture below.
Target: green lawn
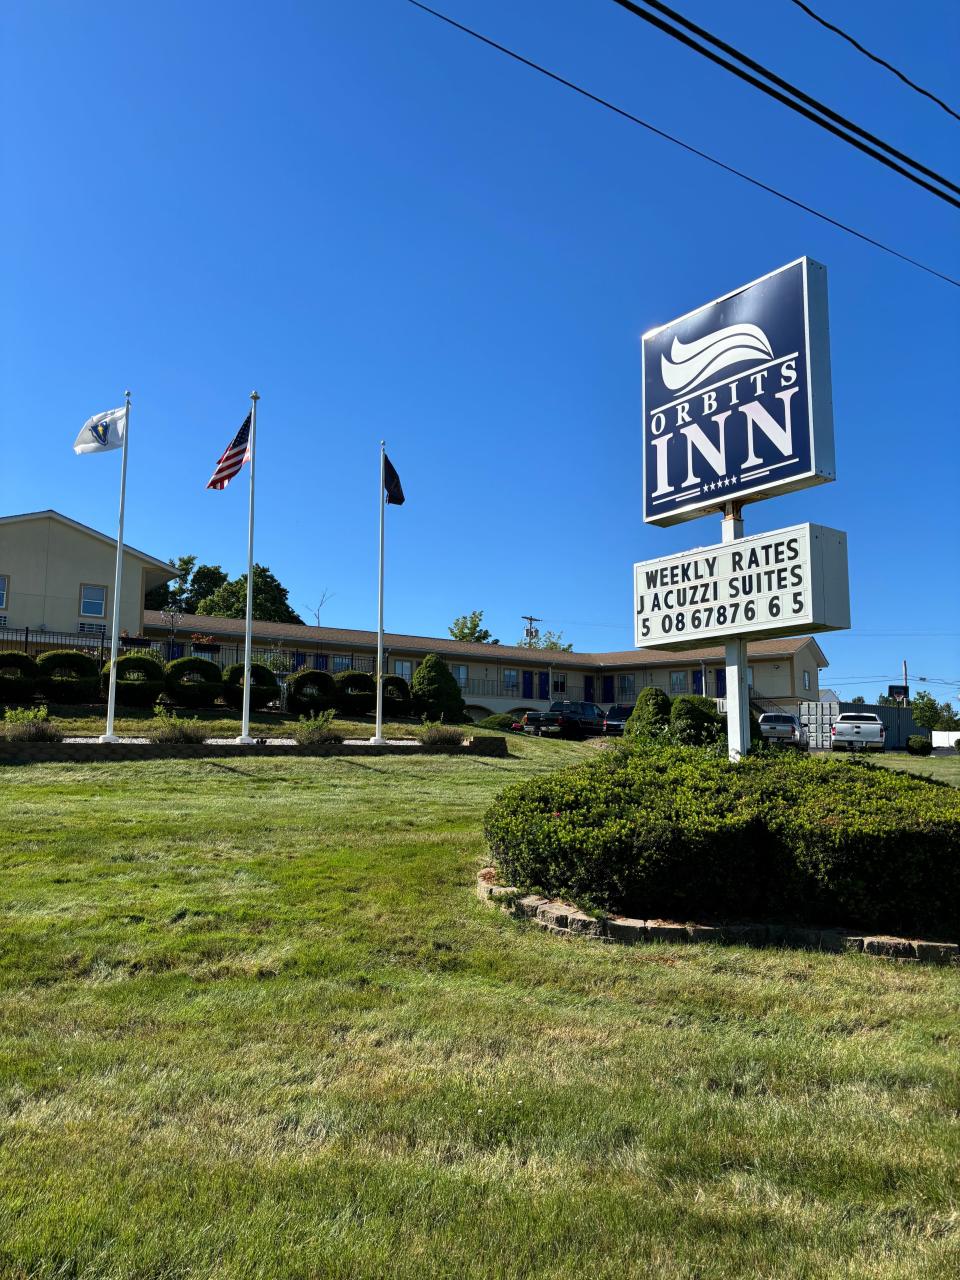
(253, 1023)
(79, 722)
(942, 768)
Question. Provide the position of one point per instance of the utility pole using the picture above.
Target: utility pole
(530, 632)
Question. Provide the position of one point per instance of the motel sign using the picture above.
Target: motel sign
(737, 398)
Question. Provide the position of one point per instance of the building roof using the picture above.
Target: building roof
(233, 628)
(50, 514)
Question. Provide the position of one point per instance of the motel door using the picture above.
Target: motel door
(720, 675)
(543, 685)
(698, 682)
(607, 686)
(527, 678)
(588, 688)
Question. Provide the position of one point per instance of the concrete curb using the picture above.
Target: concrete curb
(565, 919)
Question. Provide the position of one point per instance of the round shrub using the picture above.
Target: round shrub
(650, 717)
(356, 692)
(436, 693)
(19, 678)
(193, 682)
(264, 686)
(397, 701)
(69, 677)
(695, 721)
(500, 721)
(683, 833)
(918, 745)
(139, 679)
(310, 691)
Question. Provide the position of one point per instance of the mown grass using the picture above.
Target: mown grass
(945, 768)
(253, 1024)
(218, 722)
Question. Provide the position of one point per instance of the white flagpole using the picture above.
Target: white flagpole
(378, 735)
(248, 637)
(110, 736)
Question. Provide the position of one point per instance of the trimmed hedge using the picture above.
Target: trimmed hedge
(436, 693)
(140, 679)
(500, 721)
(264, 686)
(684, 834)
(397, 700)
(69, 677)
(310, 691)
(19, 678)
(650, 718)
(193, 682)
(695, 721)
(356, 692)
(918, 745)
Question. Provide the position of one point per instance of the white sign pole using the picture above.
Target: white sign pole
(245, 738)
(110, 736)
(738, 694)
(378, 732)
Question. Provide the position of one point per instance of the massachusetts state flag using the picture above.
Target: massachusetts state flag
(234, 456)
(391, 482)
(102, 432)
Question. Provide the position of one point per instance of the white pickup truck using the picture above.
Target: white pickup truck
(857, 731)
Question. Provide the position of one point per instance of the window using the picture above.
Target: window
(678, 683)
(625, 688)
(560, 683)
(749, 677)
(319, 662)
(4, 586)
(93, 601)
(806, 680)
(404, 668)
(341, 662)
(459, 670)
(511, 680)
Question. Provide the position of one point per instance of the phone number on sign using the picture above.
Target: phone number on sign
(726, 615)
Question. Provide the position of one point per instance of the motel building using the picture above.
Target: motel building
(56, 587)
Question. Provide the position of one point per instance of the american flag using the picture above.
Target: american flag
(234, 456)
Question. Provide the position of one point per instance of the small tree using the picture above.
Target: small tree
(468, 627)
(648, 720)
(435, 691)
(270, 603)
(859, 700)
(925, 710)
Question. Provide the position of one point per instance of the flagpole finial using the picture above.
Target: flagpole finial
(254, 395)
(127, 394)
(383, 444)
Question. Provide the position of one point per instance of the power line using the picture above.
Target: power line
(795, 103)
(874, 58)
(703, 155)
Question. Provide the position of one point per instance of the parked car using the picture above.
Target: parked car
(572, 719)
(531, 722)
(857, 731)
(616, 718)
(784, 730)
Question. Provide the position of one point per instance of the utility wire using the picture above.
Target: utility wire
(874, 58)
(796, 102)
(703, 155)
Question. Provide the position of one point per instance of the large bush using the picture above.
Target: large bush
(193, 682)
(649, 719)
(695, 721)
(140, 679)
(69, 677)
(502, 720)
(310, 692)
(356, 692)
(19, 679)
(683, 833)
(436, 693)
(919, 745)
(264, 686)
(397, 700)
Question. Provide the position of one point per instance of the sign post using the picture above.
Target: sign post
(736, 408)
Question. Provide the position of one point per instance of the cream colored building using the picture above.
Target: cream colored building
(57, 575)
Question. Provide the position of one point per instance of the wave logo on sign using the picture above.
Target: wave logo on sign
(691, 364)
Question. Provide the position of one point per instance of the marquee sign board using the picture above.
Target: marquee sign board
(789, 582)
(736, 398)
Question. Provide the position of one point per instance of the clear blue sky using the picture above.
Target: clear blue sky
(390, 230)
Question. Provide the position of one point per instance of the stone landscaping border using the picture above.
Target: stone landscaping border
(93, 752)
(567, 920)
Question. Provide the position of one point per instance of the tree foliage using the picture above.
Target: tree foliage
(229, 599)
(469, 627)
(925, 710)
(545, 640)
(193, 583)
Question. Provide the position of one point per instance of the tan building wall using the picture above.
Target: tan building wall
(47, 562)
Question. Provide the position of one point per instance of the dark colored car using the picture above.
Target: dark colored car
(616, 718)
(531, 722)
(572, 720)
